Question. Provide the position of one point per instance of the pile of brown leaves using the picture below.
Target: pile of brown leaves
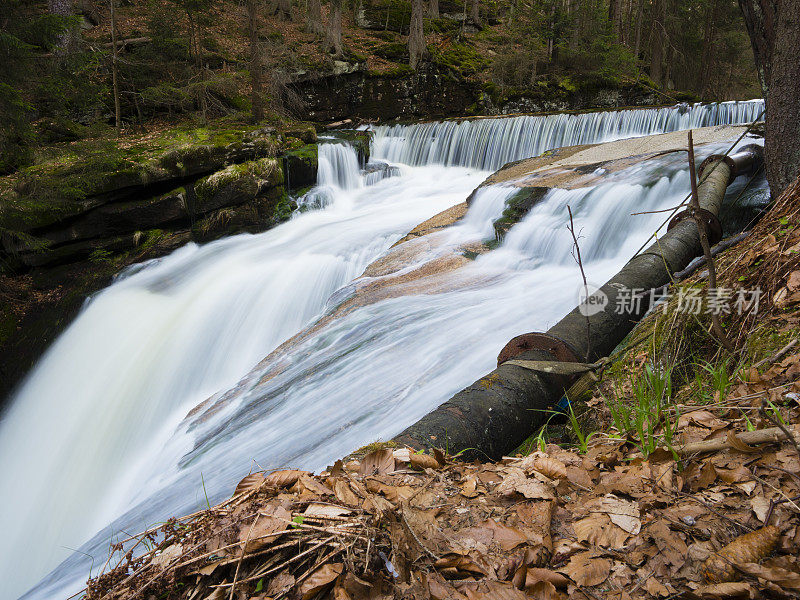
(554, 524)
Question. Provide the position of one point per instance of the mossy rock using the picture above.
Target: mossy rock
(305, 133)
(394, 51)
(300, 166)
(517, 207)
(235, 184)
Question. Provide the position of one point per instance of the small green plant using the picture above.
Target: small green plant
(649, 416)
(583, 439)
(721, 379)
(100, 256)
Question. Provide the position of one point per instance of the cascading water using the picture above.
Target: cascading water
(98, 438)
(490, 143)
(337, 169)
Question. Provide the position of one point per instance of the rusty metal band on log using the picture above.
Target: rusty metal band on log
(495, 414)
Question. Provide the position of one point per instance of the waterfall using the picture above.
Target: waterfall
(338, 166)
(155, 396)
(338, 170)
(490, 143)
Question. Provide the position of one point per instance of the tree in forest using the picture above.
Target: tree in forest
(284, 10)
(475, 12)
(433, 9)
(68, 38)
(29, 85)
(334, 31)
(774, 28)
(314, 17)
(256, 58)
(115, 69)
(657, 40)
(416, 34)
(196, 11)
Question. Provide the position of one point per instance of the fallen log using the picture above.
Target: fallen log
(495, 414)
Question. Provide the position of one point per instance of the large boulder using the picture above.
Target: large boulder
(235, 185)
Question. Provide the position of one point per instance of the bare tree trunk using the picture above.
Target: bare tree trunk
(614, 18)
(68, 39)
(709, 33)
(774, 28)
(115, 70)
(416, 34)
(638, 42)
(334, 31)
(256, 72)
(475, 12)
(657, 41)
(759, 17)
(315, 17)
(433, 9)
(285, 10)
(194, 44)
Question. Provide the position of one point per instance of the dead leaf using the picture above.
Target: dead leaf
(424, 461)
(440, 589)
(452, 563)
(793, 283)
(282, 479)
(313, 486)
(542, 590)
(622, 513)
(598, 529)
(280, 584)
(320, 579)
(325, 510)
(167, 556)
(760, 506)
(564, 548)
(344, 493)
(579, 476)
(703, 418)
(251, 482)
(271, 520)
(550, 467)
(515, 482)
(782, 577)
(490, 531)
(738, 444)
(536, 574)
(469, 489)
(656, 588)
(377, 462)
(587, 571)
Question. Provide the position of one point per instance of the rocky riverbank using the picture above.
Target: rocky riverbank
(73, 221)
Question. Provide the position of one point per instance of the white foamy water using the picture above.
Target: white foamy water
(98, 438)
(490, 143)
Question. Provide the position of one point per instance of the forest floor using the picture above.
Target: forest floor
(680, 477)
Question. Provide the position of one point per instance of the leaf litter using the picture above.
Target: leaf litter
(393, 526)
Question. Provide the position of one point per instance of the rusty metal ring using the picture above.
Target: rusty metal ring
(715, 158)
(713, 226)
(555, 347)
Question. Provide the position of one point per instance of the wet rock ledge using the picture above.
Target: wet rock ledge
(70, 223)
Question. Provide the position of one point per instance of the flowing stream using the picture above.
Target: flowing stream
(97, 441)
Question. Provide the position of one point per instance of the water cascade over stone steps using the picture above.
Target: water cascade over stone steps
(155, 396)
